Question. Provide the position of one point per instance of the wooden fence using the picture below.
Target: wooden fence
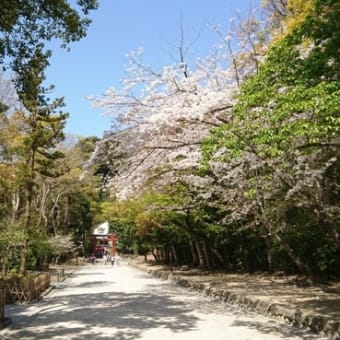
(57, 274)
(27, 289)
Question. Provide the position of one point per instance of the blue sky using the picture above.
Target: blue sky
(119, 26)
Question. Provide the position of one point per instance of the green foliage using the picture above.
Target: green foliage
(87, 146)
(39, 251)
(293, 102)
(11, 239)
(26, 23)
(287, 118)
(273, 201)
(35, 188)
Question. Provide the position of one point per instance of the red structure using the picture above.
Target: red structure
(104, 244)
(102, 241)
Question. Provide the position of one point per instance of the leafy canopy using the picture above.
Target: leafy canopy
(293, 102)
(26, 23)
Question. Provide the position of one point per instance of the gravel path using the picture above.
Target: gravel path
(103, 302)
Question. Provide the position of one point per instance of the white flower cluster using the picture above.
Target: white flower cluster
(170, 111)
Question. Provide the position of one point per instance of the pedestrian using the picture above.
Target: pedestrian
(112, 260)
(105, 258)
(93, 259)
(117, 260)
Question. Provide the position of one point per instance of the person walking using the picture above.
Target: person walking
(117, 260)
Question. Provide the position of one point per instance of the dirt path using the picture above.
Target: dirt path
(102, 302)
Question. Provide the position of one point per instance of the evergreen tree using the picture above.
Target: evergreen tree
(43, 131)
(25, 23)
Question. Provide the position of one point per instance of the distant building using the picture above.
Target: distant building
(103, 242)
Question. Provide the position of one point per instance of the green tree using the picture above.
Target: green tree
(287, 119)
(33, 192)
(44, 130)
(26, 23)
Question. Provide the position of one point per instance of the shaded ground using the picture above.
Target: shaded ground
(102, 302)
(311, 307)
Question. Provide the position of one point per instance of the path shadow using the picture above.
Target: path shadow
(127, 314)
(93, 284)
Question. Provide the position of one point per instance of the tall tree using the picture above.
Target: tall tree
(286, 117)
(33, 160)
(25, 23)
(44, 126)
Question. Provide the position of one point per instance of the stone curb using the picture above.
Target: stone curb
(296, 317)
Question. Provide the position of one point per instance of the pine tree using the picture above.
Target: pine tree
(44, 130)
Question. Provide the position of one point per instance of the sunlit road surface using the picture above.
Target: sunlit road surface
(103, 302)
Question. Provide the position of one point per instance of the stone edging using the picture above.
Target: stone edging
(316, 323)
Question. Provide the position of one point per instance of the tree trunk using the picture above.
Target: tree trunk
(66, 219)
(332, 232)
(286, 247)
(269, 253)
(15, 205)
(174, 254)
(162, 255)
(194, 256)
(206, 255)
(42, 209)
(155, 255)
(295, 259)
(200, 253)
(27, 223)
(28, 209)
(218, 256)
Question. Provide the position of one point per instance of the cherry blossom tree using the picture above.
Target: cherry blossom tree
(285, 117)
(162, 116)
(253, 178)
(166, 115)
